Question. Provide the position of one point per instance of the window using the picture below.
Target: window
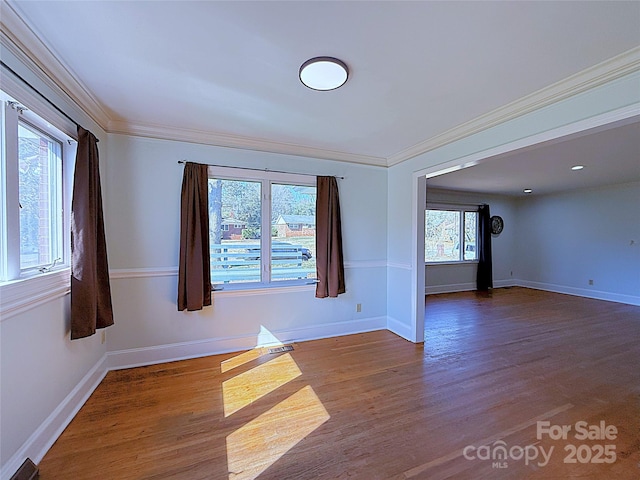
(35, 193)
(450, 235)
(250, 214)
(40, 197)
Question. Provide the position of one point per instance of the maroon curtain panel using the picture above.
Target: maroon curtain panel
(194, 270)
(329, 259)
(90, 290)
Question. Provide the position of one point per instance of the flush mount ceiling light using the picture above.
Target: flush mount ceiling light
(323, 73)
(527, 190)
(577, 167)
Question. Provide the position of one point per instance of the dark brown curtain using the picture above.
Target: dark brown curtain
(329, 261)
(90, 290)
(194, 270)
(484, 279)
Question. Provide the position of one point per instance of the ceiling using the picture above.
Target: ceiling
(609, 155)
(422, 73)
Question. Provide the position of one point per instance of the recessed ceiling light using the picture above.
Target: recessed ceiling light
(324, 73)
(577, 167)
(527, 190)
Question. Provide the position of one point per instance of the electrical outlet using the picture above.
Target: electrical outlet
(358, 307)
(590, 282)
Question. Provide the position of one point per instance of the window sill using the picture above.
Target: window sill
(20, 295)
(261, 289)
(437, 264)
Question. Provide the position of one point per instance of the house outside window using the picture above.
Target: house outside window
(243, 206)
(295, 225)
(232, 229)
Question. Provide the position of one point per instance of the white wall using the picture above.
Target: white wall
(459, 277)
(404, 206)
(567, 239)
(44, 376)
(40, 368)
(142, 204)
(557, 242)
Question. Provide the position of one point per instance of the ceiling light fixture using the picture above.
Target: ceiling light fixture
(323, 73)
(577, 167)
(527, 190)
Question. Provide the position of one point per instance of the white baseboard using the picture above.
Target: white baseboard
(581, 292)
(43, 438)
(48, 432)
(136, 357)
(456, 287)
(40, 441)
(399, 328)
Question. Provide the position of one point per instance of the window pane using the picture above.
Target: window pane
(234, 230)
(293, 232)
(442, 236)
(470, 227)
(40, 193)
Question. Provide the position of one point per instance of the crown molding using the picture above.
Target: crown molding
(25, 44)
(32, 50)
(618, 117)
(19, 38)
(604, 72)
(235, 141)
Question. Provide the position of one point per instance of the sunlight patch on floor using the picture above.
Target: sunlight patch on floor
(254, 447)
(241, 359)
(249, 386)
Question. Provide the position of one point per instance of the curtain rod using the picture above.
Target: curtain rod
(454, 204)
(41, 94)
(257, 169)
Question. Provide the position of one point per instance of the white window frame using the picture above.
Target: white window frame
(460, 209)
(58, 234)
(267, 179)
(21, 290)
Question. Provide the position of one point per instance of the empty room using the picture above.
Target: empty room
(319, 240)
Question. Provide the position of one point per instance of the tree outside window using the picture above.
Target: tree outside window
(450, 235)
(241, 209)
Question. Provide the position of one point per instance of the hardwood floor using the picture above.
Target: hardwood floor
(374, 406)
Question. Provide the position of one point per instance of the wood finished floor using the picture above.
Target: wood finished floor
(373, 406)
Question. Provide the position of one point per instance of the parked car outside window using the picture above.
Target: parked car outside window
(279, 247)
